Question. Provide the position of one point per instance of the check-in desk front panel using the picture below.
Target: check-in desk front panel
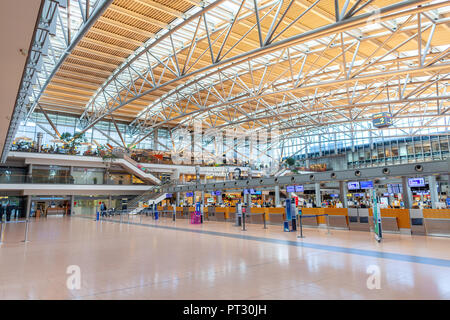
(437, 222)
(358, 219)
(417, 222)
(220, 213)
(212, 213)
(257, 215)
(337, 217)
(276, 215)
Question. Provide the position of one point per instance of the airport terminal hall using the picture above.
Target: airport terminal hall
(196, 152)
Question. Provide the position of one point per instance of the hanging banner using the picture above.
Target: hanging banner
(376, 217)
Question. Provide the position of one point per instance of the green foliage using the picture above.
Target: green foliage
(290, 161)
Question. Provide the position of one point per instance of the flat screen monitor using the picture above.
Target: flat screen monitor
(259, 192)
(189, 194)
(334, 195)
(299, 189)
(353, 185)
(366, 184)
(168, 195)
(290, 189)
(416, 182)
(218, 193)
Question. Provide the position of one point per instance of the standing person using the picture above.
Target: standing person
(2, 211)
(9, 209)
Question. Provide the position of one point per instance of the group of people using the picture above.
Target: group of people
(7, 211)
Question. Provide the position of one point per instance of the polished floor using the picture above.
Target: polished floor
(175, 260)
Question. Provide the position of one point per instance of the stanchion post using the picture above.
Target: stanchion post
(1, 230)
(328, 224)
(264, 219)
(27, 217)
(300, 229)
(174, 217)
(243, 220)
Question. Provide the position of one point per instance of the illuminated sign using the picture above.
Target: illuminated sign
(290, 189)
(353, 185)
(366, 184)
(381, 120)
(299, 189)
(416, 182)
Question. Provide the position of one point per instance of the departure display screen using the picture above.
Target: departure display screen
(290, 189)
(353, 185)
(366, 184)
(299, 189)
(416, 182)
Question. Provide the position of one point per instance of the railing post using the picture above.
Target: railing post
(264, 219)
(1, 230)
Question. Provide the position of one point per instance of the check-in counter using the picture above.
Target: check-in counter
(257, 215)
(231, 214)
(417, 222)
(312, 221)
(276, 215)
(185, 213)
(394, 220)
(358, 219)
(211, 213)
(221, 213)
(337, 217)
(179, 213)
(437, 222)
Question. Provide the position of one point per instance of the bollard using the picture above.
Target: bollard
(300, 227)
(328, 224)
(174, 217)
(1, 231)
(264, 219)
(26, 231)
(243, 221)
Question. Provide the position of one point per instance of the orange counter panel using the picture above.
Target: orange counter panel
(436, 213)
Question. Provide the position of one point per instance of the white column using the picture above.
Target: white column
(277, 196)
(433, 191)
(318, 195)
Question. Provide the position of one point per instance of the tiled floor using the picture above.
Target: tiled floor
(122, 261)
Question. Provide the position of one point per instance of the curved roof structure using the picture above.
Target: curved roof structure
(296, 65)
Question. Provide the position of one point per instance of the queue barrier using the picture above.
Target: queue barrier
(300, 221)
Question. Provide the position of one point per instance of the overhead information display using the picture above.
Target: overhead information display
(382, 119)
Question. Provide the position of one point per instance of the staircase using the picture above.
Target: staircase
(132, 166)
(150, 195)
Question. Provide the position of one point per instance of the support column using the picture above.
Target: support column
(72, 201)
(109, 202)
(277, 196)
(30, 173)
(433, 191)
(407, 194)
(343, 193)
(28, 207)
(318, 195)
(177, 199)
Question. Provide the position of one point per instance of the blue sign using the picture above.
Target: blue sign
(168, 195)
(189, 194)
(252, 191)
(381, 120)
(245, 191)
(448, 202)
(366, 184)
(354, 185)
(299, 189)
(334, 195)
(218, 193)
(416, 182)
(290, 189)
